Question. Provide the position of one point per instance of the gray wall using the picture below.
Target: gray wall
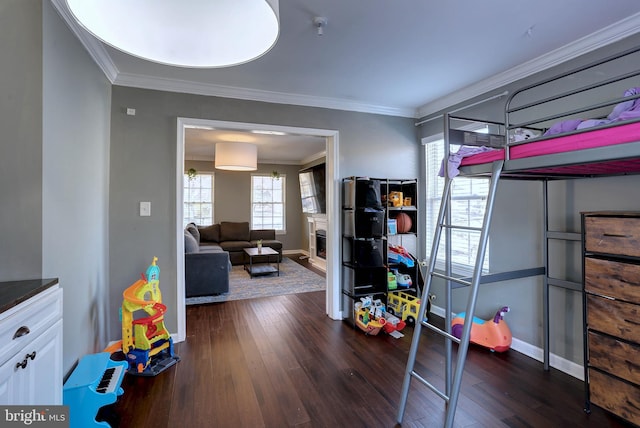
(516, 241)
(75, 150)
(54, 115)
(21, 146)
(143, 168)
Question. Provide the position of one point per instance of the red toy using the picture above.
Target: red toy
(493, 334)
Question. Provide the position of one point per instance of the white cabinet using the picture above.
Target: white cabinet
(31, 351)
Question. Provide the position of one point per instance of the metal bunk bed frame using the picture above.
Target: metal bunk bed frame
(514, 169)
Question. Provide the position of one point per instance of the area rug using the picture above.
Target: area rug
(293, 279)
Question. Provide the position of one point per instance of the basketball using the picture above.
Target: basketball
(403, 222)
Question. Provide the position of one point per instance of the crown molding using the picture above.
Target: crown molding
(95, 49)
(596, 40)
(174, 85)
(102, 58)
(314, 157)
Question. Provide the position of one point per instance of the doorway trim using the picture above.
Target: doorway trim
(333, 293)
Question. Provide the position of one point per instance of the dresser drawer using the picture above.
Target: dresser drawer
(615, 357)
(613, 235)
(611, 278)
(613, 317)
(614, 395)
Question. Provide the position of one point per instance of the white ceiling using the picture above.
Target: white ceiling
(398, 57)
(289, 149)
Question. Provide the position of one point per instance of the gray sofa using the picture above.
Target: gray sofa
(206, 269)
(211, 250)
(234, 237)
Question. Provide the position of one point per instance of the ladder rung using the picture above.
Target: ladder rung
(451, 278)
(441, 332)
(430, 386)
(453, 226)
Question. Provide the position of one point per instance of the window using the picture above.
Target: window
(268, 202)
(198, 199)
(468, 199)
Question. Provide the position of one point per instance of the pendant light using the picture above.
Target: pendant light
(184, 33)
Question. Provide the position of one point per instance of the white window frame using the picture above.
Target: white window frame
(462, 263)
(266, 225)
(189, 184)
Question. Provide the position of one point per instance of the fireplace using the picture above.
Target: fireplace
(321, 243)
(318, 241)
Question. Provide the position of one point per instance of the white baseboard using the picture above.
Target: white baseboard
(535, 352)
(305, 252)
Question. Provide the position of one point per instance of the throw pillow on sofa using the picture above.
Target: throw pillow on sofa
(190, 243)
(193, 230)
(234, 231)
(209, 233)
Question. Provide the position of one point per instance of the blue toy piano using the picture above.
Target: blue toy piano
(94, 383)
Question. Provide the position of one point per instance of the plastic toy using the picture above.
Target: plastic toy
(398, 254)
(400, 280)
(364, 312)
(392, 283)
(395, 199)
(493, 334)
(403, 305)
(393, 323)
(146, 342)
(404, 280)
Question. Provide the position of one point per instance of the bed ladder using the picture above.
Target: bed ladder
(452, 386)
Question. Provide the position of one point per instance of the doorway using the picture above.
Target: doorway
(332, 307)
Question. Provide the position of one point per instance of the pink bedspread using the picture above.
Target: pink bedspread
(597, 138)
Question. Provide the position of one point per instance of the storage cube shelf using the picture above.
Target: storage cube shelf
(369, 207)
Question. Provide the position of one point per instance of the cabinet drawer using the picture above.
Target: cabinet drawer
(615, 357)
(34, 315)
(613, 279)
(613, 235)
(614, 395)
(613, 317)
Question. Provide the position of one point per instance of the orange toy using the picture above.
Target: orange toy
(403, 222)
(493, 334)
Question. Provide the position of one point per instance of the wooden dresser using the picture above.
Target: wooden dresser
(611, 249)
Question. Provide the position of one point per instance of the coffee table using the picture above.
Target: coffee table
(261, 268)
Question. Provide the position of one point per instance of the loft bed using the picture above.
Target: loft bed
(588, 127)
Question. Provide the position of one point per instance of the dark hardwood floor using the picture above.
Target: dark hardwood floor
(281, 362)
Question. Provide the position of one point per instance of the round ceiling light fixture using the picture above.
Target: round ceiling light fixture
(236, 156)
(186, 33)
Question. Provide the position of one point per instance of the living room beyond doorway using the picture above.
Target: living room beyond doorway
(296, 275)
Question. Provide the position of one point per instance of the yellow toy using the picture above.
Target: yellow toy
(395, 199)
(146, 342)
(403, 305)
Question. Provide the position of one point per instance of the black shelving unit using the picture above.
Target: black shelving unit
(406, 204)
(364, 245)
(366, 209)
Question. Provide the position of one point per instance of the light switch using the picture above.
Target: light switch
(145, 209)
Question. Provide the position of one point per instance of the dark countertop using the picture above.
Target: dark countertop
(13, 293)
